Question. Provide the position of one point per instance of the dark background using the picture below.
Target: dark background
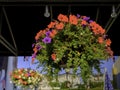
(26, 18)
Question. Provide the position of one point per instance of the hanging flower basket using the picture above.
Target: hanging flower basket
(25, 78)
(72, 41)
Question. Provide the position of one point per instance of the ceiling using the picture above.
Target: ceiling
(20, 20)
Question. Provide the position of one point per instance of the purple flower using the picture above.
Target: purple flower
(90, 21)
(39, 47)
(105, 36)
(28, 74)
(48, 33)
(47, 40)
(33, 45)
(108, 84)
(78, 15)
(86, 18)
(34, 55)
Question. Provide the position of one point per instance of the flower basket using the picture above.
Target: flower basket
(25, 78)
(72, 42)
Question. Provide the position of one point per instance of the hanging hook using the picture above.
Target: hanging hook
(113, 14)
(46, 14)
(69, 10)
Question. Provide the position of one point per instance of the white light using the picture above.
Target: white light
(113, 14)
(46, 14)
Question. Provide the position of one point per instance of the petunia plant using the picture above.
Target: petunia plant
(75, 42)
(25, 78)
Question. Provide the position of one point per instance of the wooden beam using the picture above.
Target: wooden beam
(56, 2)
(59, 1)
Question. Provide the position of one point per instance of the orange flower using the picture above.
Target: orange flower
(92, 24)
(21, 81)
(53, 33)
(97, 29)
(62, 18)
(73, 19)
(51, 25)
(44, 31)
(24, 82)
(33, 59)
(108, 42)
(26, 75)
(53, 56)
(100, 40)
(60, 26)
(83, 22)
(35, 49)
(20, 72)
(38, 35)
(16, 76)
(110, 51)
(83, 17)
(32, 74)
(101, 30)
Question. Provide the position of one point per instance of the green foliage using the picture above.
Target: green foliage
(54, 84)
(81, 87)
(96, 84)
(66, 85)
(97, 88)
